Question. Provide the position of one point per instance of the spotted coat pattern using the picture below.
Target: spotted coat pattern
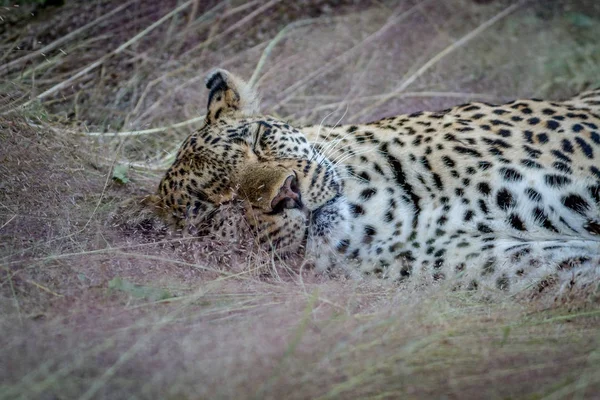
(497, 194)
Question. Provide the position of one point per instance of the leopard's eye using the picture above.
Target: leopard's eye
(256, 132)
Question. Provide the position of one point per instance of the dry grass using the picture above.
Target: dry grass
(88, 310)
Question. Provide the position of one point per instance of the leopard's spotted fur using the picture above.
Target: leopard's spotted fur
(505, 194)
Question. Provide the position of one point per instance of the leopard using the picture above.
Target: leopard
(504, 196)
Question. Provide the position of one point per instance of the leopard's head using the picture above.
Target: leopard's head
(289, 194)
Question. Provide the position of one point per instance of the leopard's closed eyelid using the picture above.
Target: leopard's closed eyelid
(256, 136)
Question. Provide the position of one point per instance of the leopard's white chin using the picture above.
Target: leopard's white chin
(329, 225)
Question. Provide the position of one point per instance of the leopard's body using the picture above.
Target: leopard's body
(505, 194)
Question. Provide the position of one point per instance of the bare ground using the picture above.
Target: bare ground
(89, 310)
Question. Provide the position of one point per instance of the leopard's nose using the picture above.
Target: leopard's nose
(288, 195)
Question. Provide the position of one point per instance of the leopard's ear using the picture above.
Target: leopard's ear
(229, 96)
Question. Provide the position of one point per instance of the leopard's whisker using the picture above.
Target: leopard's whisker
(325, 150)
(321, 126)
(340, 150)
(337, 161)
